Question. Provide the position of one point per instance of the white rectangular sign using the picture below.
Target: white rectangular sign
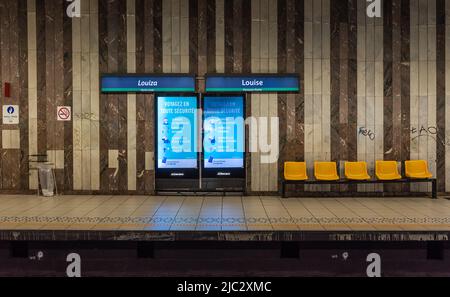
(64, 113)
(11, 114)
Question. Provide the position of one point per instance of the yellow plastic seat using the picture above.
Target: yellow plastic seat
(325, 171)
(295, 171)
(387, 170)
(417, 169)
(356, 171)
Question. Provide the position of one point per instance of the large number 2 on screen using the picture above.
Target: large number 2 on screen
(181, 140)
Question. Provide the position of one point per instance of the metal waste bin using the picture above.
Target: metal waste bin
(46, 179)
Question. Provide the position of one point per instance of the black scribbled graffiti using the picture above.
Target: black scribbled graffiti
(84, 116)
(430, 132)
(366, 132)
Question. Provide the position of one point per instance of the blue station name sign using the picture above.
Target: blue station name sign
(146, 83)
(253, 83)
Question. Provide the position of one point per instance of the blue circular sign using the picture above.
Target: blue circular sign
(10, 110)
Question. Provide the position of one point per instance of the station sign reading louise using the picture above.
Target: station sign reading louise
(147, 83)
(253, 83)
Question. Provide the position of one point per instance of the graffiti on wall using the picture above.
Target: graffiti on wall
(428, 132)
(367, 133)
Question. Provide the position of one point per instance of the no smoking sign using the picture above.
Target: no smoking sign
(64, 113)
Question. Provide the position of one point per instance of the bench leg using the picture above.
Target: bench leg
(434, 188)
(283, 189)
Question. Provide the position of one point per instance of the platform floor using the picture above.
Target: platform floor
(164, 213)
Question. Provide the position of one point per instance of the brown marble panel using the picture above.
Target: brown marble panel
(405, 84)
(68, 100)
(352, 78)
(157, 35)
(246, 37)
(388, 108)
(292, 139)
(50, 72)
(140, 143)
(352, 147)
(237, 35)
(282, 136)
(59, 74)
(202, 45)
(290, 60)
(396, 124)
(5, 28)
(114, 109)
(229, 32)
(10, 166)
(440, 92)
(335, 32)
(145, 63)
(59, 13)
(11, 174)
(193, 36)
(397, 83)
(149, 177)
(14, 51)
(121, 35)
(143, 21)
(282, 68)
(23, 92)
(211, 36)
(10, 73)
(142, 10)
(299, 24)
(41, 37)
(4, 72)
(282, 37)
(298, 50)
(104, 105)
(344, 91)
(292, 152)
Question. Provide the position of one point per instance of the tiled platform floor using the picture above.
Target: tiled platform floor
(222, 213)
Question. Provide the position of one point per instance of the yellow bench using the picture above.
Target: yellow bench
(417, 169)
(295, 171)
(356, 171)
(387, 170)
(326, 171)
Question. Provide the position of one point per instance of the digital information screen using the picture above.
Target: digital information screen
(224, 129)
(177, 133)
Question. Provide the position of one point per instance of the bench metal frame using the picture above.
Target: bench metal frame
(433, 182)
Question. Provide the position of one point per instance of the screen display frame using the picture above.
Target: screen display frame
(225, 173)
(251, 89)
(175, 173)
(147, 89)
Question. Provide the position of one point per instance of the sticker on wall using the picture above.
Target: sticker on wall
(64, 113)
(10, 114)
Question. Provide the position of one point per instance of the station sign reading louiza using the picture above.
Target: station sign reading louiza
(126, 83)
(253, 83)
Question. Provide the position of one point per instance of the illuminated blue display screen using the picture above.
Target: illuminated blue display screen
(177, 132)
(257, 83)
(223, 125)
(146, 84)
